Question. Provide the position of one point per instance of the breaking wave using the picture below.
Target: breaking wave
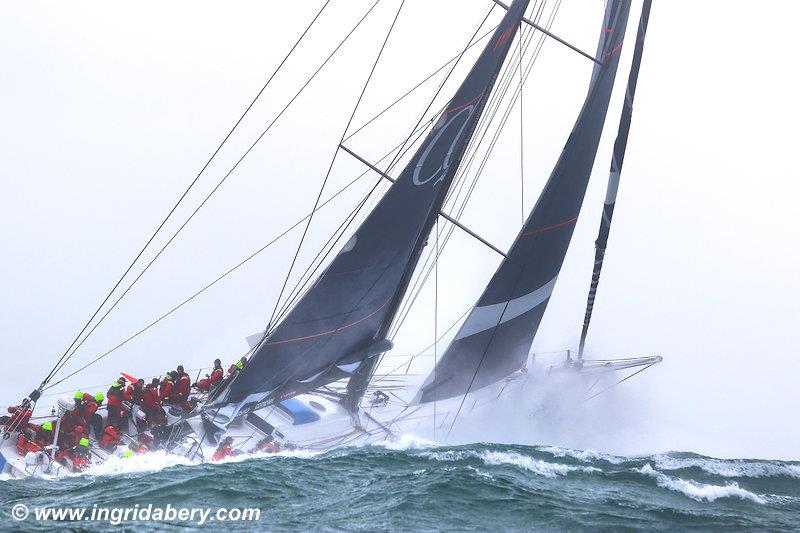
(701, 491)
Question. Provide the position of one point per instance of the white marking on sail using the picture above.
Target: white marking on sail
(350, 368)
(613, 185)
(489, 316)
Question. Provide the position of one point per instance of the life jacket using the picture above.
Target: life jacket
(115, 395)
(132, 395)
(25, 445)
(80, 457)
(110, 437)
(215, 376)
(89, 408)
(165, 389)
(224, 450)
(182, 388)
(150, 397)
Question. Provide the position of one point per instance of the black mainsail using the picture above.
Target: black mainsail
(497, 335)
(620, 144)
(343, 319)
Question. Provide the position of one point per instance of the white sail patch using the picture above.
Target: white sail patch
(490, 316)
(349, 368)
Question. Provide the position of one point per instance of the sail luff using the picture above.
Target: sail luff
(620, 144)
(496, 337)
(342, 320)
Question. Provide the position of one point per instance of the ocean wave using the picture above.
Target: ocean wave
(734, 468)
(585, 456)
(701, 491)
(509, 458)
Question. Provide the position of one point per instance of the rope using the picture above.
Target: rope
(333, 160)
(180, 200)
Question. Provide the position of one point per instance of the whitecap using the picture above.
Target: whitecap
(728, 468)
(537, 466)
(499, 458)
(586, 456)
(701, 491)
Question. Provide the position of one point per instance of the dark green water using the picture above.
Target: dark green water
(484, 487)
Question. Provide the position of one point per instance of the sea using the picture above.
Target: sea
(413, 485)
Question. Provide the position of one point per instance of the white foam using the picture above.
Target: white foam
(729, 468)
(406, 441)
(537, 466)
(141, 463)
(497, 458)
(586, 456)
(701, 491)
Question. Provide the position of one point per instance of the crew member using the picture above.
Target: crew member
(110, 438)
(20, 416)
(236, 367)
(212, 379)
(166, 387)
(116, 395)
(151, 404)
(180, 393)
(224, 449)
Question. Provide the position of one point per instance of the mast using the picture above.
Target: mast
(617, 159)
(495, 339)
(340, 324)
(503, 38)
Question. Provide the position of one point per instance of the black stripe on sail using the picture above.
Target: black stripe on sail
(339, 326)
(620, 144)
(496, 337)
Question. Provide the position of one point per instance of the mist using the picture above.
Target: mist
(110, 110)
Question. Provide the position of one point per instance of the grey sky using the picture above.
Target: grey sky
(109, 110)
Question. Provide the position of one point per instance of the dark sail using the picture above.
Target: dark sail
(344, 318)
(496, 337)
(616, 168)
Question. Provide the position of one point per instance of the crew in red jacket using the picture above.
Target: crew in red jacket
(180, 394)
(224, 450)
(151, 404)
(212, 379)
(21, 415)
(115, 396)
(111, 437)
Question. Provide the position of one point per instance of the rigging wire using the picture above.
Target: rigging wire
(494, 105)
(220, 183)
(405, 146)
(333, 160)
(418, 85)
(227, 273)
(537, 50)
(183, 196)
(626, 378)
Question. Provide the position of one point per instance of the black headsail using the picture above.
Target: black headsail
(496, 337)
(344, 318)
(616, 168)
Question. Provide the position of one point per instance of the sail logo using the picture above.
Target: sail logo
(461, 117)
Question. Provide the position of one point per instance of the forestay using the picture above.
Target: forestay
(497, 335)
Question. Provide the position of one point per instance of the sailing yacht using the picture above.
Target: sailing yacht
(312, 379)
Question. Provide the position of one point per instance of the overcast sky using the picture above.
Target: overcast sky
(109, 110)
